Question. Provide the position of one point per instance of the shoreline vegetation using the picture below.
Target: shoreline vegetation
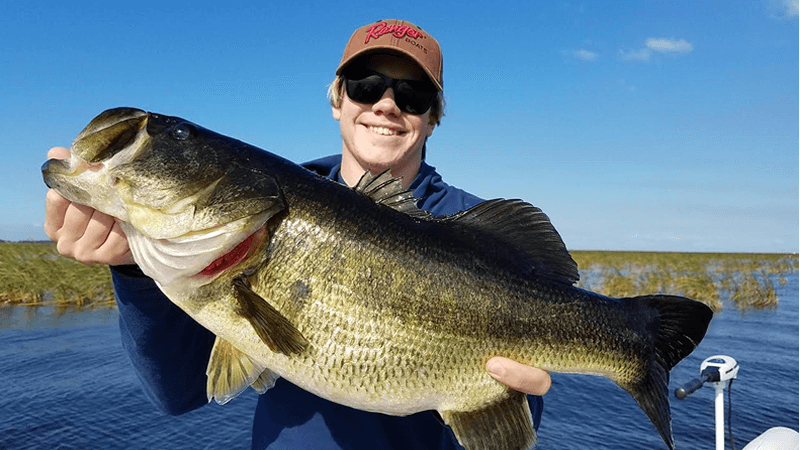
(34, 274)
(747, 280)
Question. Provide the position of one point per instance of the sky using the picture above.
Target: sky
(643, 125)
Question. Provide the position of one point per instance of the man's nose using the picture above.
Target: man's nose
(386, 104)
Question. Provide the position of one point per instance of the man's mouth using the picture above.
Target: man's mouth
(385, 131)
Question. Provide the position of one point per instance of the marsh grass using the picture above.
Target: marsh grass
(747, 279)
(35, 274)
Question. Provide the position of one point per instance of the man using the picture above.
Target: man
(388, 99)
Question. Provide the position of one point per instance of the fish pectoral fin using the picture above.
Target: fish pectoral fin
(230, 371)
(502, 425)
(275, 330)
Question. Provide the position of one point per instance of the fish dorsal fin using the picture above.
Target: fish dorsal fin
(526, 227)
(388, 190)
(512, 221)
(503, 425)
(230, 371)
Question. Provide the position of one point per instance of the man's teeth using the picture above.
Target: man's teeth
(383, 131)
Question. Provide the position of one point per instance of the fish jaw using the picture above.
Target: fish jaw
(179, 210)
(111, 132)
(111, 139)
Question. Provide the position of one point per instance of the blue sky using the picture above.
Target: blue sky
(646, 125)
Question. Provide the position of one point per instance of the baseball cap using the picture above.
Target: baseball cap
(397, 36)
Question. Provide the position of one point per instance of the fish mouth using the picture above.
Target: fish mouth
(105, 136)
(108, 134)
(114, 137)
(182, 214)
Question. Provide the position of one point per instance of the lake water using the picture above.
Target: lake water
(66, 383)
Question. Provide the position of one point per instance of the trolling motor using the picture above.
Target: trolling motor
(715, 370)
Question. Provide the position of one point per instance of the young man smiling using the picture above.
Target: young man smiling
(380, 134)
(388, 99)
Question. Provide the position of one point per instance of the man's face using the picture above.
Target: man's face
(380, 135)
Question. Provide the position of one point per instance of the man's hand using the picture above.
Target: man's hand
(519, 377)
(82, 232)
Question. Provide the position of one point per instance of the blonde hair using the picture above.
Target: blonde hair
(336, 94)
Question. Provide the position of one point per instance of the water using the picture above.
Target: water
(591, 412)
(67, 384)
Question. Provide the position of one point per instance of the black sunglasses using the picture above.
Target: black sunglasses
(412, 96)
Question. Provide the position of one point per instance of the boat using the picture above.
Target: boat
(719, 370)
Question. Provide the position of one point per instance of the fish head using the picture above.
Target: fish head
(170, 183)
(110, 140)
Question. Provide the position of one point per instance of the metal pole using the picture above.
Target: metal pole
(719, 414)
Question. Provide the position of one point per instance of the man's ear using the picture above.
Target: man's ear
(337, 112)
(430, 129)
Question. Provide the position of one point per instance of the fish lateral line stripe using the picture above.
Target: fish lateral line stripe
(229, 259)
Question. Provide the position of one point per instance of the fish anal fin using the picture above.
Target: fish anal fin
(503, 425)
(230, 371)
(274, 329)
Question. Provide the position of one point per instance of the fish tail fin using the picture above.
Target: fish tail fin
(678, 325)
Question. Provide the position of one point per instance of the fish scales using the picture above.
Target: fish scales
(472, 310)
(356, 295)
(383, 341)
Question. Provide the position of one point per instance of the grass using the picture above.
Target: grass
(747, 279)
(35, 274)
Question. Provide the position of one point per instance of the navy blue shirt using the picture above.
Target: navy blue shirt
(170, 352)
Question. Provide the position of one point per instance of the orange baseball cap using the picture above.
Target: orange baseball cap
(397, 36)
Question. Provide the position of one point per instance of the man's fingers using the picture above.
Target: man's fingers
(76, 220)
(519, 377)
(115, 249)
(55, 205)
(55, 210)
(97, 229)
(81, 232)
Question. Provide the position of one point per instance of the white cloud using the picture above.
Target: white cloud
(792, 7)
(665, 45)
(635, 55)
(660, 45)
(784, 9)
(586, 55)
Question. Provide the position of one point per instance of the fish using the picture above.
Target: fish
(355, 294)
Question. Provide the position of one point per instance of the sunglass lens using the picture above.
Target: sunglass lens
(366, 90)
(414, 97)
(413, 100)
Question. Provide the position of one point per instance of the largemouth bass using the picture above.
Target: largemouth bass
(356, 295)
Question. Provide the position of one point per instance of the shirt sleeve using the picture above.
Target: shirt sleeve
(168, 349)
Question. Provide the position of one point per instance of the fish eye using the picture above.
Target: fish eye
(182, 131)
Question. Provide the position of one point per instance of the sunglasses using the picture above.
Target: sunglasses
(411, 96)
